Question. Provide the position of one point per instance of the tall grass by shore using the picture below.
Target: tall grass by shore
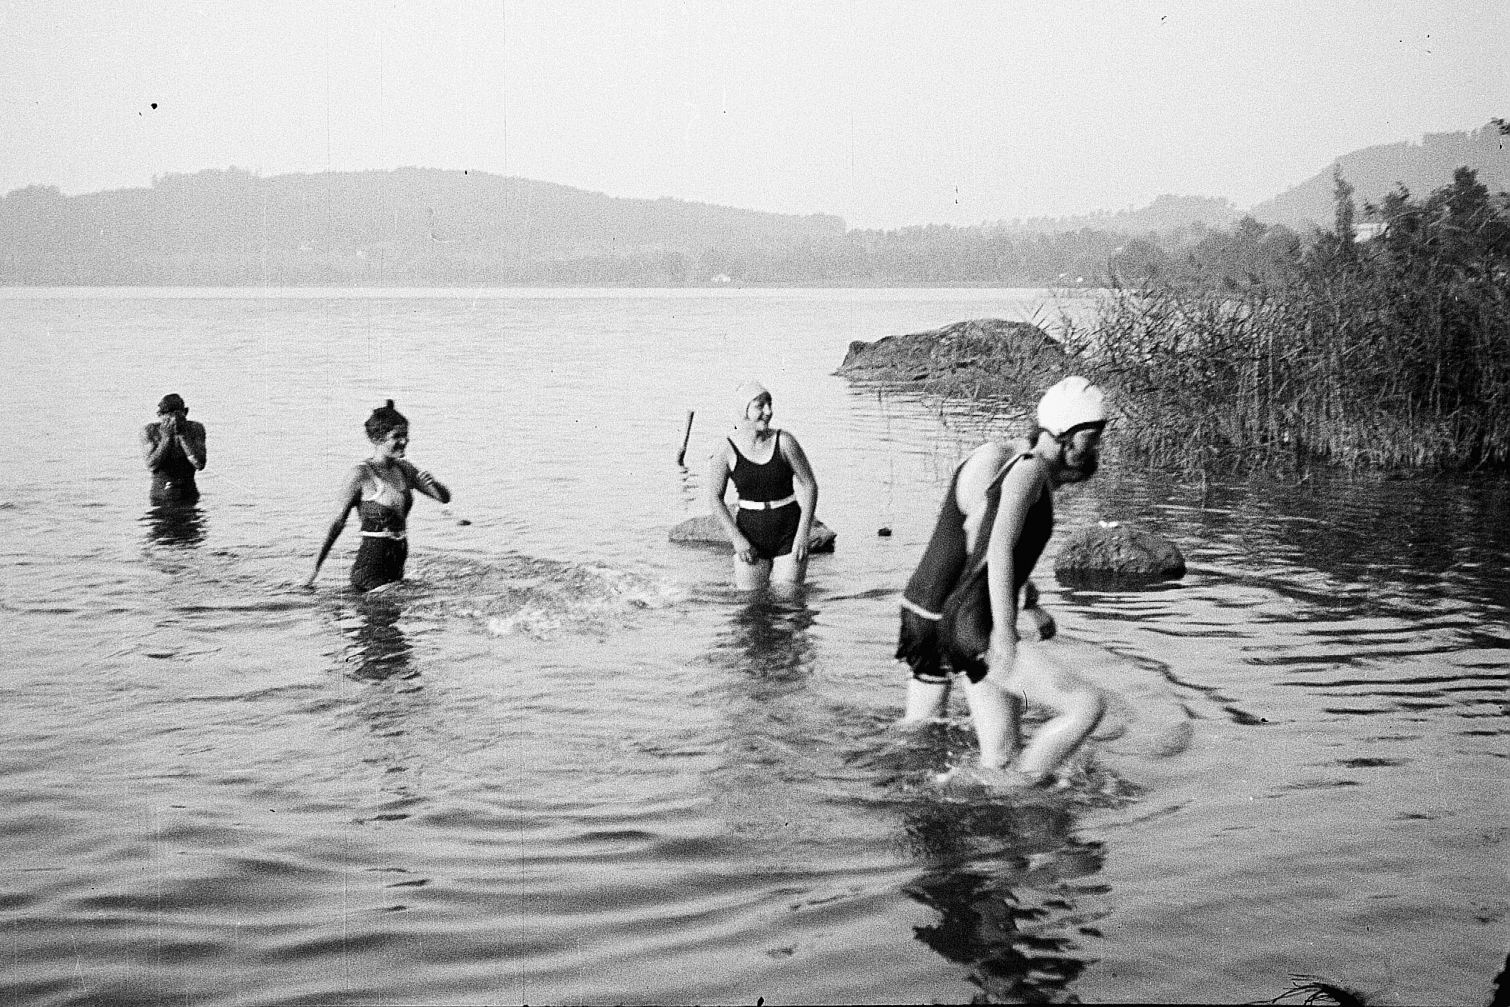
(1386, 353)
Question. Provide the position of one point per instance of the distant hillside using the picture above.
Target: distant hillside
(1165, 213)
(1375, 171)
(422, 227)
(411, 225)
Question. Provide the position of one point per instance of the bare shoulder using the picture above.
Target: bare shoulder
(1026, 479)
(723, 455)
(975, 474)
(982, 464)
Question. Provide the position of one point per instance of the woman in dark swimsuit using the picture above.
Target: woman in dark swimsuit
(777, 495)
(381, 491)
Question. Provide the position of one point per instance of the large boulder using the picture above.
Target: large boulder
(983, 355)
(1112, 554)
(706, 530)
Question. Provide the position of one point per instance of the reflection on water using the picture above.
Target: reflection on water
(376, 648)
(175, 524)
(1008, 878)
(768, 638)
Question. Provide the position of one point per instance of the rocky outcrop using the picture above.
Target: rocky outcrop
(705, 530)
(1114, 555)
(982, 356)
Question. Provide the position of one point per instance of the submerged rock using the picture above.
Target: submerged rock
(1113, 554)
(705, 530)
(983, 355)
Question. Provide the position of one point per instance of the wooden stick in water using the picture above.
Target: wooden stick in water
(686, 436)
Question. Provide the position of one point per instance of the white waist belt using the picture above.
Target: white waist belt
(917, 609)
(396, 536)
(767, 504)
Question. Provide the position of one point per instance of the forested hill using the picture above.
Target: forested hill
(428, 227)
(411, 225)
(423, 227)
(1373, 172)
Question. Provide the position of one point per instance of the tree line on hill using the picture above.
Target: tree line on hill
(422, 227)
(427, 227)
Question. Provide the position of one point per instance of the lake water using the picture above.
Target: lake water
(565, 762)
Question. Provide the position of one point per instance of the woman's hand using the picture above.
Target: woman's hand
(743, 549)
(801, 544)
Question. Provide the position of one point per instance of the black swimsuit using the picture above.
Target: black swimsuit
(946, 606)
(385, 543)
(770, 530)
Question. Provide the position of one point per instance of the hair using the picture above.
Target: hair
(171, 403)
(383, 420)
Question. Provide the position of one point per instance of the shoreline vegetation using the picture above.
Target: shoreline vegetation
(1262, 350)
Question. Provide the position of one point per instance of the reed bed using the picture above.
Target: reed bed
(1387, 353)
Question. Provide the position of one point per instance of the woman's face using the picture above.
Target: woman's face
(394, 443)
(1082, 456)
(759, 411)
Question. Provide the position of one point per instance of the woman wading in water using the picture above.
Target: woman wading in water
(381, 491)
(961, 610)
(777, 495)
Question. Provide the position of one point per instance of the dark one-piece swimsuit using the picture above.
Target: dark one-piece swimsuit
(385, 543)
(946, 607)
(768, 510)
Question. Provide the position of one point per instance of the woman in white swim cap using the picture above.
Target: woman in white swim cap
(960, 610)
(777, 495)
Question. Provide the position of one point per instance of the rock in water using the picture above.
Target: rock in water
(705, 530)
(1117, 556)
(989, 355)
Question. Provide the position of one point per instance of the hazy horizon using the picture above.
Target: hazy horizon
(954, 113)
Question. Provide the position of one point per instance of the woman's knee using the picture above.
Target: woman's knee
(1088, 706)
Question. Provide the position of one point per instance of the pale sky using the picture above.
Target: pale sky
(886, 114)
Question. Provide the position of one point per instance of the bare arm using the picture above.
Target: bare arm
(158, 437)
(192, 441)
(154, 445)
(717, 483)
(807, 493)
(1019, 491)
(426, 483)
(351, 496)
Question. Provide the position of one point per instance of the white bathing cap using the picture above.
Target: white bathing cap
(747, 393)
(1073, 402)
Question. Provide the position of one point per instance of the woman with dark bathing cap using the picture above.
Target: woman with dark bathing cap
(381, 491)
(777, 495)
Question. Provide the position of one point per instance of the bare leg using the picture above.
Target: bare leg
(995, 713)
(925, 701)
(1078, 705)
(787, 571)
(751, 576)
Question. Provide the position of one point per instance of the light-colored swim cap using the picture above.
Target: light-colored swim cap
(747, 393)
(1073, 402)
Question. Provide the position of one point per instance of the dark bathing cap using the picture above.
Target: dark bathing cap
(383, 419)
(171, 403)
